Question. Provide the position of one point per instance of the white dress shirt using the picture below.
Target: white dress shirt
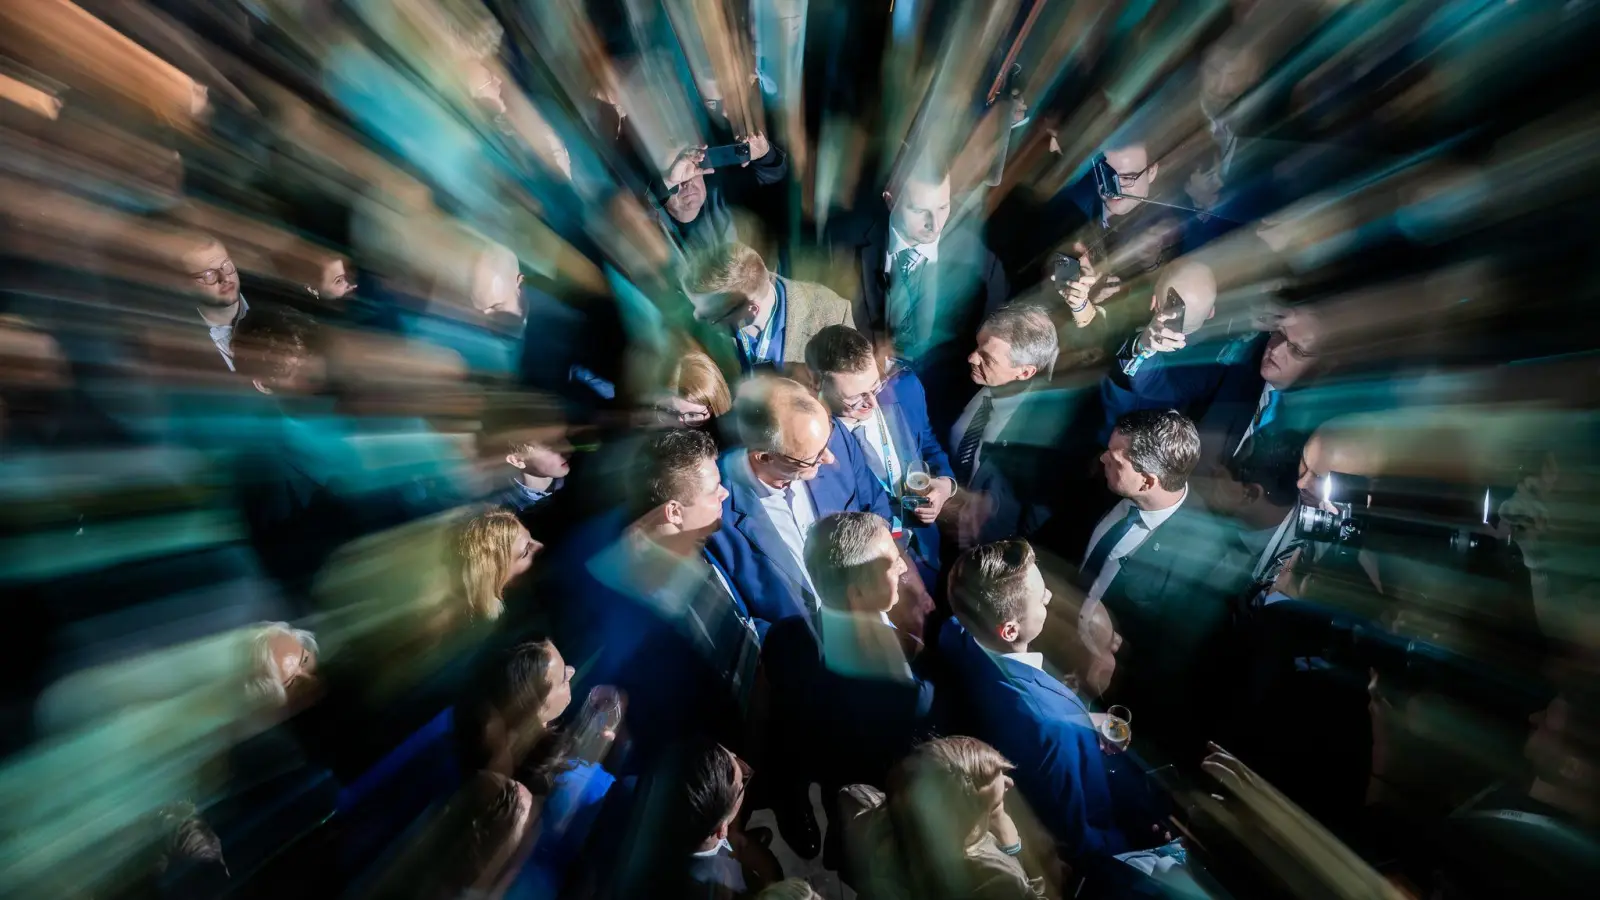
(875, 436)
(1034, 660)
(1149, 521)
(222, 335)
(928, 252)
(792, 528)
(1261, 407)
(999, 416)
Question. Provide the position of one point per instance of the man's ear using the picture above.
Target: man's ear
(1008, 631)
(1148, 482)
(515, 459)
(722, 830)
(888, 199)
(1029, 371)
(672, 511)
(1252, 492)
(1154, 168)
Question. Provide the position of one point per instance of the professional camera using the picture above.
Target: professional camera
(1438, 518)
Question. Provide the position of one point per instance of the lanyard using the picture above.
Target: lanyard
(888, 481)
(757, 353)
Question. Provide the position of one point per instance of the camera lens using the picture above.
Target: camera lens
(1317, 524)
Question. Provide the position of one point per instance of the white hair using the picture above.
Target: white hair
(265, 680)
(837, 547)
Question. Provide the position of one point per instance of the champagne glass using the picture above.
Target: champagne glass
(1117, 728)
(598, 722)
(918, 480)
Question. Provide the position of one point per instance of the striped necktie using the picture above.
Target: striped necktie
(972, 438)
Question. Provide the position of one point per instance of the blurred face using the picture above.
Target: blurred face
(921, 211)
(1135, 172)
(497, 285)
(213, 275)
(522, 551)
(1314, 468)
(1101, 643)
(1035, 609)
(1291, 352)
(851, 395)
(878, 588)
(558, 688)
(336, 282)
(805, 437)
(1121, 477)
(544, 459)
(685, 205)
(991, 365)
(297, 665)
(702, 513)
(741, 782)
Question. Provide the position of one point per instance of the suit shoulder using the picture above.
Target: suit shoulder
(818, 301)
(851, 229)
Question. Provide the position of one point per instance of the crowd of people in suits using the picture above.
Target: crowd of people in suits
(978, 540)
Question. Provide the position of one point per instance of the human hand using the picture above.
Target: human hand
(1088, 290)
(1003, 827)
(687, 166)
(1159, 337)
(938, 496)
(1226, 768)
(759, 146)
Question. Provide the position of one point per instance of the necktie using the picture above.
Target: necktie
(906, 286)
(1267, 412)
(972, 438)
(1102, 549)
(870, 448)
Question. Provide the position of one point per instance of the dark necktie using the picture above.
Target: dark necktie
(1102, 549)
(906, 279)
(972, 438)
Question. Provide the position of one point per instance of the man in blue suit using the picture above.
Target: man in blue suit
(1231, 388)
(888, 418)
(794, 469)
(645, 609)
(994, 687)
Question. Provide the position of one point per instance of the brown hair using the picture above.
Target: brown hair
(988, 584)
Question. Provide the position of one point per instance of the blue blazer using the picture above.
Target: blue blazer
(1043, 728)
(749, 549)
(905, 408)
(1215, 383)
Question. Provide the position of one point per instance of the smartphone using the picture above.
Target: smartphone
(1172, 310)
(727, 155)
(1065, 270)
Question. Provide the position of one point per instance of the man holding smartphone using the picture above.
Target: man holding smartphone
(695, 210)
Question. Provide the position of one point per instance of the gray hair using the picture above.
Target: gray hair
(838, 546)
(265, 680)
(1162, 443)
(1029, 331)
(760, 407)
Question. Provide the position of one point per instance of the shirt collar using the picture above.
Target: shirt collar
(929, 252)
(1151, 519)
(721, 846)
(1034, 660)
(744, 471)
(237, 317)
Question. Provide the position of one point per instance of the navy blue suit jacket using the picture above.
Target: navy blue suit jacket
(905, 408)
(1043, 728)
(1215, 383)
(763, 570)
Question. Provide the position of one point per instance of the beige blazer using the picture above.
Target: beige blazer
(810, 308)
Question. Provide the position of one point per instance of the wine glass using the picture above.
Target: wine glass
(598, 722)
(1116, 728)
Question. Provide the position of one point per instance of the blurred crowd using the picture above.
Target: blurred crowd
(921, 448)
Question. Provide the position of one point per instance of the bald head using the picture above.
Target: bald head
(1348, 451)
(784, 428)
(1196, 284)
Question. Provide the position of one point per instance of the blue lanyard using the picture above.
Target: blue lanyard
(757, 354)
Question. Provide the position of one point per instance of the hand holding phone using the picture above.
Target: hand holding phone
(727, 155)
(1165, 331)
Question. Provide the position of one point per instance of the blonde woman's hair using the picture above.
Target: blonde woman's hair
(937, 789)
(482, 555)
(696, 378)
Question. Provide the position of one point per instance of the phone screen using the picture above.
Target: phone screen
(1172, 310)
(727, 155)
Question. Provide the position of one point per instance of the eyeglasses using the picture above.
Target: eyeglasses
(690, 417)
(212, 276)
(803, 465)
(1295, 350)
(859, 401)
(1111, 182)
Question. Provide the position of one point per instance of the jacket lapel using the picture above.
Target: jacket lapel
(871, 254)
(905, 441)
(750, 520)
(832, 488)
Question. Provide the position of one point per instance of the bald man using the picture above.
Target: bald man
(1231, 387)
(793, 469)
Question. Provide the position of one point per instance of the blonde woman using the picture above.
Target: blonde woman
(941, 831)
(489, 551)
(695, 393)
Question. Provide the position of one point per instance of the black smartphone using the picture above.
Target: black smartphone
(727, 155)
(1172, 310)
(1065, 270)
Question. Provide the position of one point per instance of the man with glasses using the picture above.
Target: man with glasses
(770, 318)
(795, 467)
(215, 282)
(888, 417)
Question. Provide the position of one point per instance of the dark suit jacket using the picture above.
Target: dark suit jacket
(752, 553)
(904, 405)
(1043, 728)
(1034, 466)
(1215, 383)
(846, 704)
(1171, 603)
(970, 283)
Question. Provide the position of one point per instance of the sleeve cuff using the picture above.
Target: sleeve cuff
(1012, 850)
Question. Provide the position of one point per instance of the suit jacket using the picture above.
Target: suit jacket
(846, 702)
(763, 570)
(904, 406)
(1171, 601)
(810, 308)
(1043, 728)
(1032, 468)
(969, 284)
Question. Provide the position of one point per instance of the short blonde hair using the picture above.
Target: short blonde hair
(941, 785)
(696, 378)
(482, 559)
(735, 268)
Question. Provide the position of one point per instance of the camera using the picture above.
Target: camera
(1436, 518)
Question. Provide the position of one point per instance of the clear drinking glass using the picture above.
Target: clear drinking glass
(598, 722)
(1117, 727)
